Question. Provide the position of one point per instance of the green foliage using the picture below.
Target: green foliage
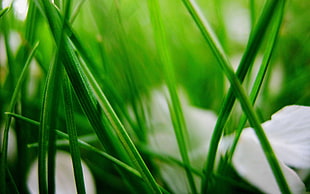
(89, 79)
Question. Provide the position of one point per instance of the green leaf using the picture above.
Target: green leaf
(3, 159)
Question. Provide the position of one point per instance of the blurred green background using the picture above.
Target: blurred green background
(119, 43)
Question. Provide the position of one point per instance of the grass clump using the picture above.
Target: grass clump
(80, 78)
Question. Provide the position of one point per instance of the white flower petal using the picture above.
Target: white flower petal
(251, 163)
(12, 144)
(200, 124)
(289, 133)
(65, 182)
(175, 177)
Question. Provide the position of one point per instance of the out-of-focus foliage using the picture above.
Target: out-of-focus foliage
(121, 53)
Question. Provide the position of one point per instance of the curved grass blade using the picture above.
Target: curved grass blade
(4, 11)
(46, 153)
(47, 136)
(236, 88)
(82, 144)
(261, 74)
(73, 138)
(13, 102)
(113, 140)
(86, 146)
(121, 132)
(135, 100)
(175, 105)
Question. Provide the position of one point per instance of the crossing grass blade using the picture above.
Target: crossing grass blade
(236, 89)
(115, 140)
(81, 143)
(88, 147)
(271, 43)
(49, 114)
(121, 132)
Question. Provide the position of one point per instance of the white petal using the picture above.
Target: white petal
(251, 163)
(12, 144)
(200, 124)
(65, 182)
(289, 133)
(175, 177)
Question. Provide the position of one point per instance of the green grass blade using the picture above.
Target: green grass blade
(247, 59)
(255, 123)
(174, 105)
(252, 12)
(79, 83)
(20, 117)
(46, 133)
(261, 73)
(47, 136)
(107, 156)
(13, 102)
(121, 132)
(237, 89)
(82, 144)
(89, 104)
(4, 11)
(168, 159)
(73, 138)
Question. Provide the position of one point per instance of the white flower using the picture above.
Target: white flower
(288, 132)
(65, 182)
(162, 140)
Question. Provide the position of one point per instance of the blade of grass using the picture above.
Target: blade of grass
(103, 154)
(168, 159)
(131, 78)
(47, 139)
(12, 182)
(23, 132)
(46, 133)
(121, 132)
(4, 11)
(236, 89)
(105, 83)
(174, 105)
(13, 102)
(73, 138)
(89, 104)
(254, 43)
(252, 12)
(81, 143)
(80, 83)
(261, 74)
(12, 69)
